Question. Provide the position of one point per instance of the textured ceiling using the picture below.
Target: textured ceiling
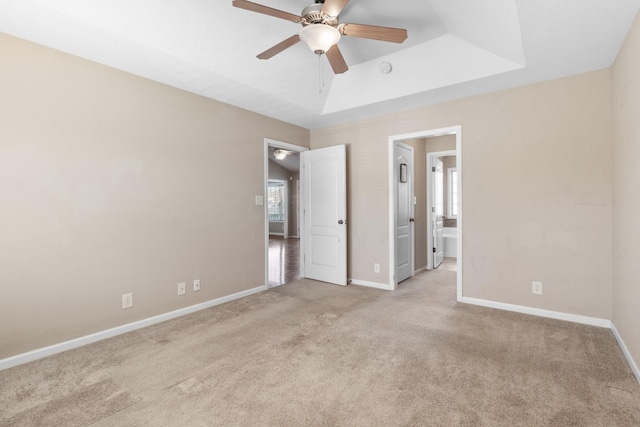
(455, 48)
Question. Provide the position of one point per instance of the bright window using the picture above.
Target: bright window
(453, 192)
(275, 207)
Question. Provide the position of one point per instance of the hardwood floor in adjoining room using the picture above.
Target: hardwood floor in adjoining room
(284, 260)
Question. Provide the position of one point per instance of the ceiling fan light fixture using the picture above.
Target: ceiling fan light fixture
(319, 37)
(279, 154)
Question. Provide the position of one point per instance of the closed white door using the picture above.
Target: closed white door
(324, 229)
(438, 239)
(404, 251)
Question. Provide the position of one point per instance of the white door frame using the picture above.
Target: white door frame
(285, 146)
(430, 192)
(452, 130)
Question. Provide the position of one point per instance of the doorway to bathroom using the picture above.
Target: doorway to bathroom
(442, 211)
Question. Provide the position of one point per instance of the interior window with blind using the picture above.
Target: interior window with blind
(275, 207)
(453, 192)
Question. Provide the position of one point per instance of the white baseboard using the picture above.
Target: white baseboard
(625, 351)
(118, 330)
(586, 320)
(370, 284)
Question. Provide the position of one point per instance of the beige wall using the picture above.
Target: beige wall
(626, 191)
(536, 194)
(278, 172)
(109, 184)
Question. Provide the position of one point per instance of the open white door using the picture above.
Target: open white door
(438, 239)
(404, 245)
(324, 217)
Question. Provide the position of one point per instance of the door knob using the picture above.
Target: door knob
(411, 220)
(340, 222)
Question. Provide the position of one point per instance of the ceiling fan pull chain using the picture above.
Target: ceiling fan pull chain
(319, 75)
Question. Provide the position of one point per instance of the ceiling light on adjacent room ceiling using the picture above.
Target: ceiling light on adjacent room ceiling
(279, 154)
(319, 37)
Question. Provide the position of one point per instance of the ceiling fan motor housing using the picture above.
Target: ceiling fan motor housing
(313, 14)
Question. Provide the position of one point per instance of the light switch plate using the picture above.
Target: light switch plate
(259, 200)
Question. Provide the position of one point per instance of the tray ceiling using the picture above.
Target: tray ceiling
(454, 49)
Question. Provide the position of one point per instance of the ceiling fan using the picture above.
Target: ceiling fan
(280, 154)
(321, 30)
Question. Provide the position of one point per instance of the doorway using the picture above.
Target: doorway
(422, 206)
(442, 205)
(320, 209)
(282, 212)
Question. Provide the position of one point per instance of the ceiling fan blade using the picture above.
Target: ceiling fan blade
(334, 7)
(254, 7)
(388, 34)
(279, 47)
(336, 60)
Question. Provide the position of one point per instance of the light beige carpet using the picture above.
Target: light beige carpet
(309, 353)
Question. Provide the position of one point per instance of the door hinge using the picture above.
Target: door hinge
(433, 209)
(433, 168)
(434, 250)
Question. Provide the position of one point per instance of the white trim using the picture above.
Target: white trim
(375, 285)
(576, 318)
(291, 147)
(625, 351)
(392, 215)
(271, 233)
(40, 353)
(451, 130)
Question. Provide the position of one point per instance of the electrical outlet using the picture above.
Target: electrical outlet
(536, 288)
(182, 288)
(196, 285)
(376, 268)
(127, 301)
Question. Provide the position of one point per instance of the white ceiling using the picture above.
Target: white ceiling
(455, 48)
